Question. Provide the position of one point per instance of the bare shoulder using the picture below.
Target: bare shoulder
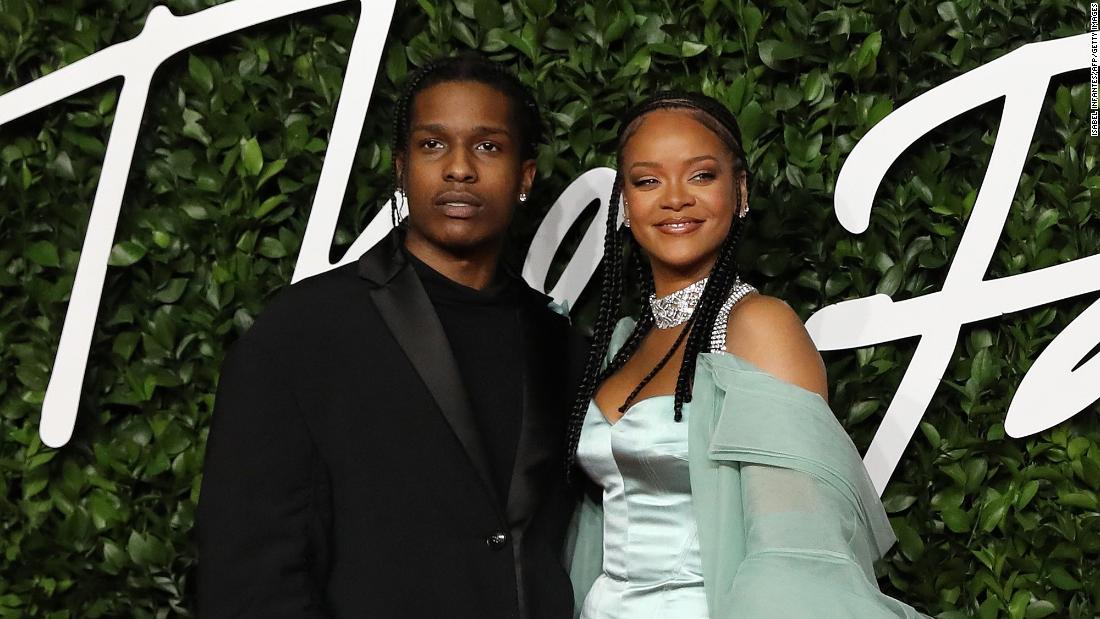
(766, 332)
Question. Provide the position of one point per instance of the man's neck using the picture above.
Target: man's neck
(474, 269)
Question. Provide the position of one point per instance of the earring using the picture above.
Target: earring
(522, 197)
(744, 212)
(626, 214)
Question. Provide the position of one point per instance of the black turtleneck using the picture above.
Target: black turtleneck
(483, 329)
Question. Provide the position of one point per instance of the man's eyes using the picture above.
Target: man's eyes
(433, 144)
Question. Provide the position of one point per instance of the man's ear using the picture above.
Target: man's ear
(399, 169)
(528, 172)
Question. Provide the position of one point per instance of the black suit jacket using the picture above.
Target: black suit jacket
(345, 475)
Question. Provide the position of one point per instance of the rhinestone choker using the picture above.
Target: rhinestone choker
(675, 309)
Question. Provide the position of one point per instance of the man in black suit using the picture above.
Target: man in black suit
(388, 436)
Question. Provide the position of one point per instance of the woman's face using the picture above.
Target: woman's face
(679, 186)
(463, 170)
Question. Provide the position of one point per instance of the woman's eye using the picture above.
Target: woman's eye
(705, 175)
(645, 182)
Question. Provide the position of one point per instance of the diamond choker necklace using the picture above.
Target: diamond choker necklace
(675, 309)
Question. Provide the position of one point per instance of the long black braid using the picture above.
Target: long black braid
(723, 276)
(465, 67)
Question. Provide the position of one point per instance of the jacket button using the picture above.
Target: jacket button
(496, 540)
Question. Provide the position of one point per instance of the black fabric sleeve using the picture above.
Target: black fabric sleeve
(257, 512)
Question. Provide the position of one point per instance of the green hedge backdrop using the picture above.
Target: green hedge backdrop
(229, 156)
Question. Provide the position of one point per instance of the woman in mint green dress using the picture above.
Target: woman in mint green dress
(721, 485)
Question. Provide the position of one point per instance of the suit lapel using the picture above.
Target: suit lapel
(408, 313)
(540, 430)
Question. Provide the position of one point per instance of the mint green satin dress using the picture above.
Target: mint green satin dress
(652, 568)
(776, 517)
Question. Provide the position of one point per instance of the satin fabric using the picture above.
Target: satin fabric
(651, 561)
(789, 522)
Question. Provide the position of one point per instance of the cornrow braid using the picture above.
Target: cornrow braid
(696, 334)
(643, 278)
(722, 280)
(466, 67)
(610, 300)
(644, 282)
(656, 369)
(400, 134)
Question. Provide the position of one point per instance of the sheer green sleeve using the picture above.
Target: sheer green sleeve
(813, 523)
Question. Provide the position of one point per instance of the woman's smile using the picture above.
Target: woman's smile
(679, 225)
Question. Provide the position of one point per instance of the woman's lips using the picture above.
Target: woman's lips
(679, 226)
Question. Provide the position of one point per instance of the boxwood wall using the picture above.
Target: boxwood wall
(229, 156)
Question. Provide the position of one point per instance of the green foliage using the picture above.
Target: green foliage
(230, 153)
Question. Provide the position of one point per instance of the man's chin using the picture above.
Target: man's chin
(461, 237)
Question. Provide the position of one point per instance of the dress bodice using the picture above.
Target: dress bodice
(651, 561)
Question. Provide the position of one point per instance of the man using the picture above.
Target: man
(387, 440)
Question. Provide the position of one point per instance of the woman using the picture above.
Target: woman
(728, 487)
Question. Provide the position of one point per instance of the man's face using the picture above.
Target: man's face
(462, 170)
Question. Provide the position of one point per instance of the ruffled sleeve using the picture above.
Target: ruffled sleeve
(812, 520)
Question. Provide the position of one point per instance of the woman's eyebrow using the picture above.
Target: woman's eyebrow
(654, 164)
(701, 158)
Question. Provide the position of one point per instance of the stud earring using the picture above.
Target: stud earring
(522, 197)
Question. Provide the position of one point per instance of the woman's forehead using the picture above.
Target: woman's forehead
(666, 133)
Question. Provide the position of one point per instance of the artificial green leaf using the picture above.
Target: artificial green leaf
(869, 49)
(126, 253)
(689, 49)
(775, 54)
(252, 156)
(43, 253)
(200, 73)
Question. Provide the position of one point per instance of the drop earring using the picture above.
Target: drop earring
(626, 214)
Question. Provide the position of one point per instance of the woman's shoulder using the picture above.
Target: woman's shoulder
(767, 333)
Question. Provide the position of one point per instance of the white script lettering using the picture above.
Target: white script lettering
(163, 36)
(1021, 77)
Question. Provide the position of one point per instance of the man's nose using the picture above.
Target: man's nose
(459, 167)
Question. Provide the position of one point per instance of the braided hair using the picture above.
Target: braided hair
(465, 67)
(713, 115)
